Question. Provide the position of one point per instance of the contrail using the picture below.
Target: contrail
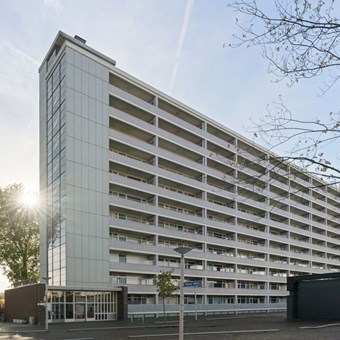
(185, 23)
(19, 53)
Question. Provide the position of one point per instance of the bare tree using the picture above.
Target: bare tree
(301, 40)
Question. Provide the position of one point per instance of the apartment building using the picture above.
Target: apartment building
(130, 173)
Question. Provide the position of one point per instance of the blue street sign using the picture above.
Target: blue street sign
(196, 283)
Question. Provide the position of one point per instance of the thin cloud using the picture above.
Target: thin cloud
(185, 24)
(54, 4)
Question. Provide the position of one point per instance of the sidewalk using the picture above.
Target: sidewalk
(8, 327)
(254, 326)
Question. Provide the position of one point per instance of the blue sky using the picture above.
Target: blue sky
(173, 45)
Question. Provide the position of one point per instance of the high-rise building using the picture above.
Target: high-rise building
(129, 173)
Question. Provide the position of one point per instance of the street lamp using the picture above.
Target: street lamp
(46, 301)
(182, 251)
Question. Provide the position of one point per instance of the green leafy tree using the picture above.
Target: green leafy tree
(2, 299)
(301, 40)
(2, 306)
(165, 286)
(19, 236)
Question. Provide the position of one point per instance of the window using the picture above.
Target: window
(121, 280)
(137, 299)
(250, 300)
(122, 258)
(274, 299)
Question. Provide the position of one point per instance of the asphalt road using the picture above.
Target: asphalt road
(249, 327)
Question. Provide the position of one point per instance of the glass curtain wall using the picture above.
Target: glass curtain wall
(56, 111)
(82, 306)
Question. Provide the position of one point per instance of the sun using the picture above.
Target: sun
(29, 199)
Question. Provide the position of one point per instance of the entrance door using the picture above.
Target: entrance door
(90, 307)
(80, 309)
(80, 306)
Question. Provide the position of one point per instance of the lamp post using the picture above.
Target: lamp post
(46, 302)
(182, 251)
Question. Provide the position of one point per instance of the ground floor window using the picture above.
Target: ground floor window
(250, 299)
(277, 299)
(82, 306)
(137, 299)
(213, 300)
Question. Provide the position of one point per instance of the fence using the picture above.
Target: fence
(144, 311)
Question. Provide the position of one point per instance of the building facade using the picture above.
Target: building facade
(128, 174)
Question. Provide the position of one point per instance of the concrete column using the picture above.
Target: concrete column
(155, 101)
(122, 304)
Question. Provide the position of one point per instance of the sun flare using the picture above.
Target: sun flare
(29, 199)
